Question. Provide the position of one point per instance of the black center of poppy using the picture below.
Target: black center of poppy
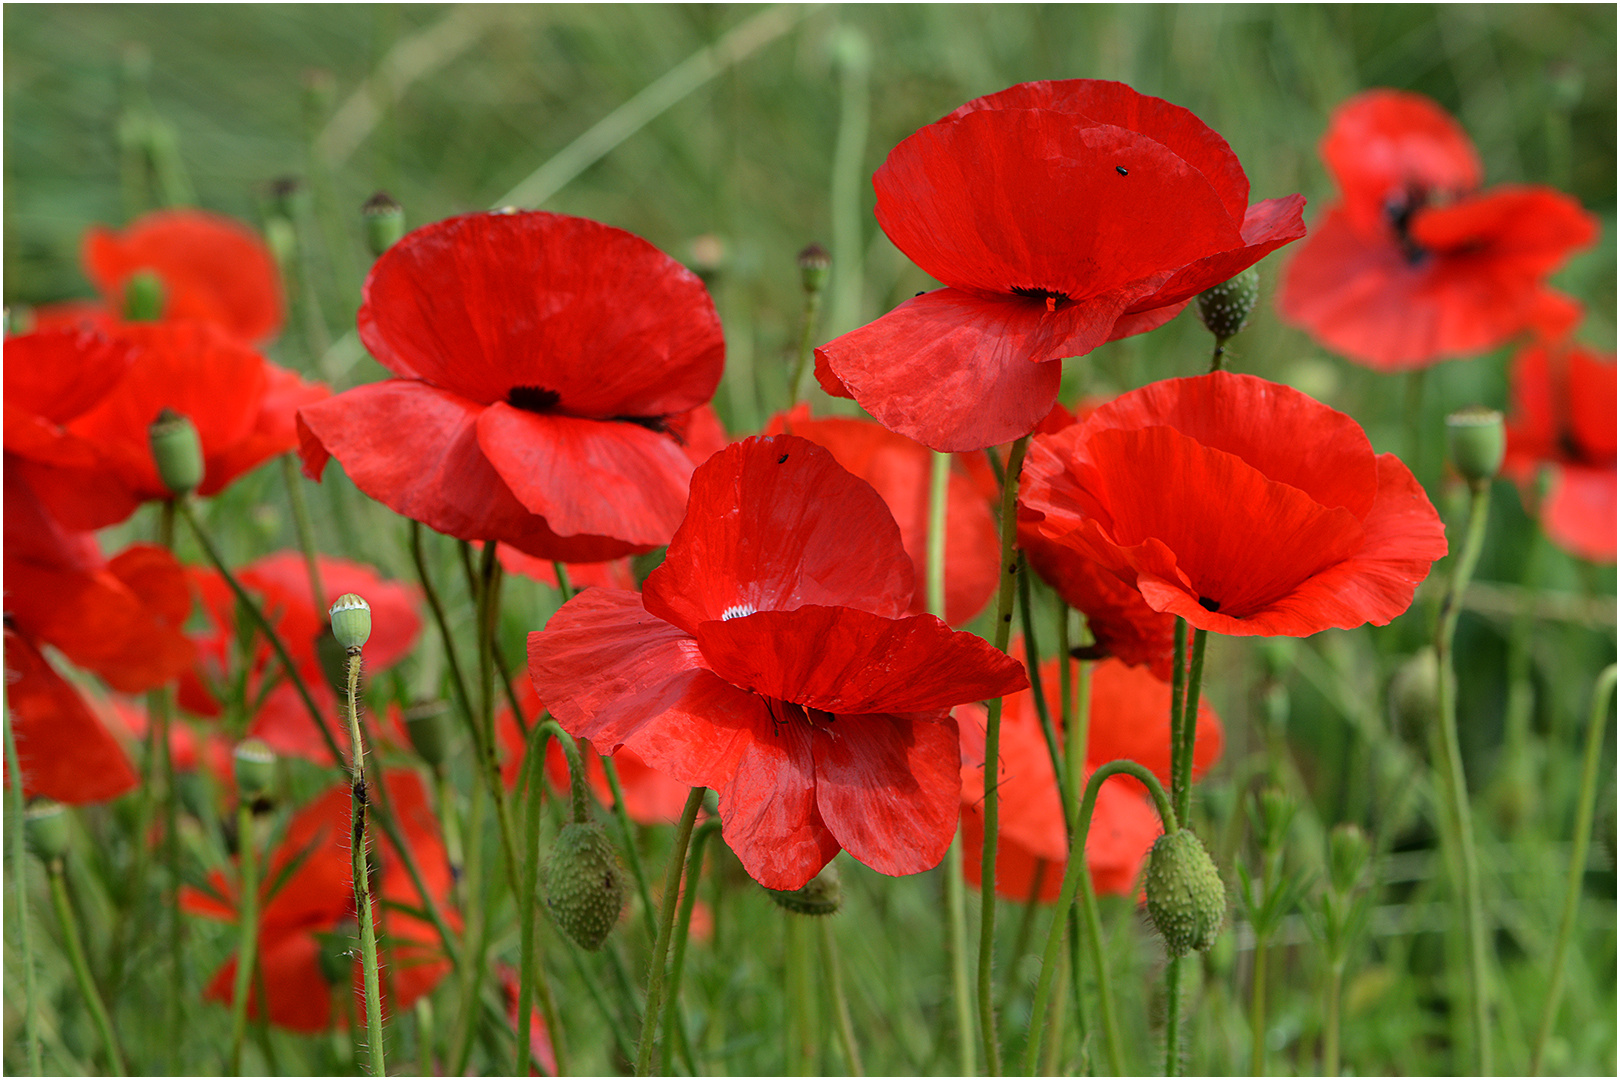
(1209, 605)
(1053, 298)
(535, 399)
(1570, 444)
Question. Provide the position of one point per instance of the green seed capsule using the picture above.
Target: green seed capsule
(351, 621)
(1477, 442)
(177, 451)
(821, 895)
(814, 267)
(45, 825)
(384, 220)
(584, 887)
(143, 297)
(1224, 309)
(1185, 897)
(254, 765)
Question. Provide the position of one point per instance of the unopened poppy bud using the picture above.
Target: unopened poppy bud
(814, 267)
(1414, 693)
(821, 895)
(45, 825)
(177, 451)
(143, 297)
(254, 765)
(1348, 849)
(385, 222)
(1185, 897)
(351, 621)
(1224, 309)
(584, 888)
(1477, 442)
(427, 726)
(334, 955)
(284, 197)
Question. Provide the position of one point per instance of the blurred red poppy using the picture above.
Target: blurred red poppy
(66, 754)
(281, 582)
(899, 469)
(1130, 718)
(1239, 504)
(1564, 421)
(769, 657)
(213, 268)
(1415, 265)
(545, 364)
(316, 897)
(542, 1058)
(1059, 216)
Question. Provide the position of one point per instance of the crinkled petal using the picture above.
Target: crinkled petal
(769, 811)
(64, 751)
(58, 374)
(1268, 226)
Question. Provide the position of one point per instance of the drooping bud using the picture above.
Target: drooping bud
(176, 451)
(427, 726)
(254, 765)
(1477, 442)
(821, 895)
(45, 825)
(1348, 850)
(1414, 694)
(814, 267)
(334, 955)
(584, 887)
(143, 297)
(1185, 897)
(351, 621)
(385, 222)
(1224, 309)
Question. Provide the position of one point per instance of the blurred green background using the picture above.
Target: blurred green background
(733, 136)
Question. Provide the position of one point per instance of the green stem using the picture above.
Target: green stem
(1330, 1021)
(247, 931)
(666, 922)
(489, 602)
(477, 933)
(1184, 732)
(527, 973)
(1172, 1018)
(81, 969)
(632, 855)
(807, 337)
(939, 480)
(158, 716)
(835, 986)
(565, 588)
(1595, 730)
(19, 873)
(1043, 712)
(458, 685)
(1182, 785)
(1076, 873)
(683, 927)
(362, 874)
(1451, 779)
(301, 525)
(992, 763)
(1257, 1001)
(801, 1027)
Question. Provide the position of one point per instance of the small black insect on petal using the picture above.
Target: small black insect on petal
(781, 459)
(1122, 170)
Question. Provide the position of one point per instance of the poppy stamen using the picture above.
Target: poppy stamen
(1054, 299)
(535, 399)
(1209, 605)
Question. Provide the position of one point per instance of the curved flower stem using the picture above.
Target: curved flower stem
(1077, 872)
(1043, 711)
(247, 930)
(666, 922)
(683, 927)
(992, 762)
(362, 874)
(301, 525)
(1451, 780)
(81, 969)
(19, 873)
(835, 986)
(632, 856)
(489, 602)
(457, 684)
(1595, 729)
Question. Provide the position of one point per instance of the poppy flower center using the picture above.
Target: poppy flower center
(1399, 210)
(1054, 299)
(535, 399)
(784, 713)
(737, 611)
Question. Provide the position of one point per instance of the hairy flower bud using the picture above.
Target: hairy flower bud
(351, 621)
(176, 451)
(45, 825)
(1185, 897)
(584, 887)
(1477, 442)
(1224, 309)
(821, 895)
(254, 766)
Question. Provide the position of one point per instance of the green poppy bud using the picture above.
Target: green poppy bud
(1414, 694)
(1224, 309)
(143, 297)
(254, 765)
(1185, 897)
(335, 953)
(584, 887)
(45, 825)
(1348, 851)
(1477, 443)
(814, 267)
(351, 621)
(177, 451)
(428, 727)
(821, 895)
(385, 222)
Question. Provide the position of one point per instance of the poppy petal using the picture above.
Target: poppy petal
(1384, 142)
(769, 814)
(274, 429)
(64, 751)
(1579, 512)
(1268, 226)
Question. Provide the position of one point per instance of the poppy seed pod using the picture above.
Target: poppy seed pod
(584, 887)
(254, 765)
(384, 220)
(45, 825)
(176, 451)
(1224, 309)
(1476, 441)
(143, 297)
(351, 621)
(1185, 897)
(821, 895)
(814, 267)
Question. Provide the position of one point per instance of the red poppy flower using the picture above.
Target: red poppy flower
(1564, 420)
(542, 1058)
(543, 362)
(213, 268)
(317, 896)
(65, 752)
(1130, 718)
(899, 469)
(281, 582)
(769, 657)
(189, 749)
(1059, 215)
(1241, 505)
(1415, 265)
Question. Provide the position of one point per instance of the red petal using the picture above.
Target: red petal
(888, 787)
(769, 811)
(1117, 616)
(214, 269)
(1384, 144)
(1579, 512)
(1268, 226)
(845, 661)
(615, 574)
(1509, 232)
(300, 997)
(772, 525)
(59, 374)
(64, 751)
(484, 303)
(274, 431)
